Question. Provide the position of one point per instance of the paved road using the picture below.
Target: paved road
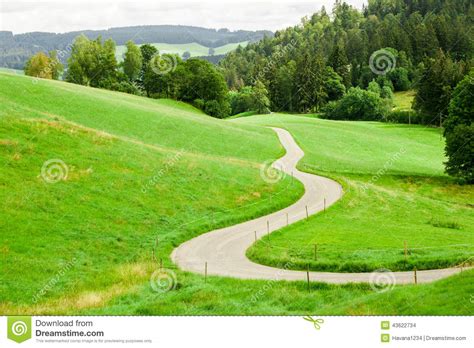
(224, 249)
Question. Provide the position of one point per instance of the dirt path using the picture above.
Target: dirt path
(224, 249)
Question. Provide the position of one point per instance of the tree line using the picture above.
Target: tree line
(346, 65)
(144, 71)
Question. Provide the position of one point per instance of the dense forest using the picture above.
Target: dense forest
(390, 41)
(16, 49)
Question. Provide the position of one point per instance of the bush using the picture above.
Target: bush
(357, 104)
(217, 109)
(400, 80)
(240, 101)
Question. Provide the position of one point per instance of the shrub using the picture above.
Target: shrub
(400, 80)
(357, 104)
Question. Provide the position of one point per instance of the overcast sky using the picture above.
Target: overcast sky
(22, 16)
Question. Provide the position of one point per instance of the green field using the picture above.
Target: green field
(409, 200)
(194, 48)
(402, 101)
(12, 71)
(145, 175)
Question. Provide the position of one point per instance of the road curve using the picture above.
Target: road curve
(224, 249)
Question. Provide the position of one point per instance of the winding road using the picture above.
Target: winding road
(222, 251)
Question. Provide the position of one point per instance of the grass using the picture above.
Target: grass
(128, 183)
(402, 101)
(195, 49)
(395, 191)
(146, 175)
(12, 71)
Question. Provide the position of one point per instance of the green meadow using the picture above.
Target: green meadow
(141, 176)
(194, 48)
(395, 193)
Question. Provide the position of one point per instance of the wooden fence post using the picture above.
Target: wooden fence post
(416, 279)
(307, 278)
(205, 272)
(307, 215)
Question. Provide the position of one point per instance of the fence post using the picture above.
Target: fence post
(324, 203)
(307, 212)
(287, 221)
(161, 264)
(205, 272)
(307, 277)
(255, 232)
(416, 279)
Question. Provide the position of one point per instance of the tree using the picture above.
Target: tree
(43, 66)
(312, 94)
(338, 61)
(374, 87)
(459, 131)
(148, 52)
(92, 63)
(440, 76)
(400, 80)
(133, 61)
(260, 101)
(283, 89)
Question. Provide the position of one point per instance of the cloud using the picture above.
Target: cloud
(61, 16)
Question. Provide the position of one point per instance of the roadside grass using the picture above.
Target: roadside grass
(395, 193)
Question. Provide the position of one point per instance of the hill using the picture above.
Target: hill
(195, 49)
(135, 177)
(130, 171)
(16, 49)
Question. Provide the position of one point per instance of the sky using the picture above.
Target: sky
(20, 16)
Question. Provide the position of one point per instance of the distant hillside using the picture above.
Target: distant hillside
(16, 49)
(194, 49)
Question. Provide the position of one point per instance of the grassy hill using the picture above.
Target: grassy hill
(137, 169)
(194, 48)
(395, 191)
(140, 176)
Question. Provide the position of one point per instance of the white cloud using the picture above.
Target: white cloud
(22, 16)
